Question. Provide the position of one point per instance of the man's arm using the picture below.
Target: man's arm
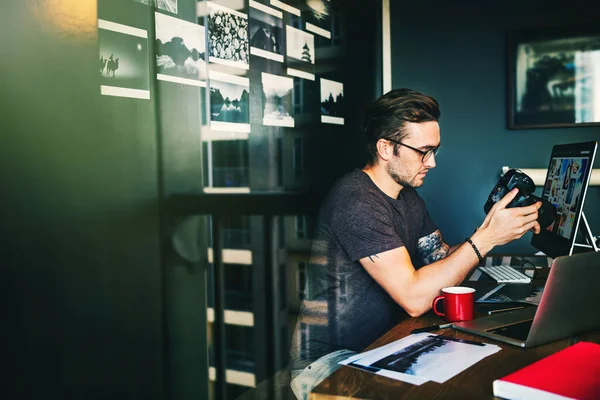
(414, 290)
(432, 248)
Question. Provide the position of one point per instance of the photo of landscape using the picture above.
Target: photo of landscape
(180, 50)
(229, 102)
(332, 102)
(278, 96)
(123, 58)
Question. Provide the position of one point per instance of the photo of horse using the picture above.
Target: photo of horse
(123, 58)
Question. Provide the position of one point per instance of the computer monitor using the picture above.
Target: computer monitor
(565, 187)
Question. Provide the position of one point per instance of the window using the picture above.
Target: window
(226, 163)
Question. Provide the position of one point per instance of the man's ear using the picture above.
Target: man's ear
(385, 149)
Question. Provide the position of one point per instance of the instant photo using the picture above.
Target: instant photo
(124, 69)
(300, 48)
(180, 48)
(166, 5)
(229, 102)
(266, 32)
(278, 96)
(332, 102)
(228, 36)
(317, 17)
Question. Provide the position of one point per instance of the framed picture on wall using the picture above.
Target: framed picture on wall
(554, 77)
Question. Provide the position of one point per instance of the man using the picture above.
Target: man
(377, 257)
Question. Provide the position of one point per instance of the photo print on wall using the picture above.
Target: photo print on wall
(291, 6)
(228, 36)
(266, 32)
(301, 53)
(180, 51)
(166, 5)
(124, 69)
(317, 17)
(332, 102)
(278, 97)
(229, 102)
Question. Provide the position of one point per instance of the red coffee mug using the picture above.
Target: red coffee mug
(459, 303)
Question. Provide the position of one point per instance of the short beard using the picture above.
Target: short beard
(400, 180)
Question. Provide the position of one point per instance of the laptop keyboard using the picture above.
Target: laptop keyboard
(518, 331)
(505, 274)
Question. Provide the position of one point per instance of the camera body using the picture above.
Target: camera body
(513, 178)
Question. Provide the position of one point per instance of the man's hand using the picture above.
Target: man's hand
(503, 225)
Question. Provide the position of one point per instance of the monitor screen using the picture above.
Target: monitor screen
(565, 187)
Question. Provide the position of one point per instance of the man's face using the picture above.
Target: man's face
(407, 168)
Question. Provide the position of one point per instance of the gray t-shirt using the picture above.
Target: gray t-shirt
(343, 307)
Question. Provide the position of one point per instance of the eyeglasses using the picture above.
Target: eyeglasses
(426, 154)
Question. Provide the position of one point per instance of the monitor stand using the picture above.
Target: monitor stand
(588, 236)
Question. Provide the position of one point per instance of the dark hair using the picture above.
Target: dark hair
(387, 116)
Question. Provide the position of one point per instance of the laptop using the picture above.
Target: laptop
(568, 306)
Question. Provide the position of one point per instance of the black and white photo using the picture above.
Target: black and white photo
(165, 5)
(278, 97)
(124, 68)
(317, 17)
(266, 32)
(426, 356)
(180, 51)
(332, 102)
(229, 102)
(300, 49)
(228, 36)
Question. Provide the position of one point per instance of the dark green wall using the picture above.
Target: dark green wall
(79, 233)
(456, 51)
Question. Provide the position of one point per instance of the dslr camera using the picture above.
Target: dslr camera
(514, 178)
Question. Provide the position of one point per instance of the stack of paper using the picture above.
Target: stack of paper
(422, 357)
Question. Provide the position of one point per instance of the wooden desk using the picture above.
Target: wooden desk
(473, 383)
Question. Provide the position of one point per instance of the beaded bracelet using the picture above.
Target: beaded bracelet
(475, 248)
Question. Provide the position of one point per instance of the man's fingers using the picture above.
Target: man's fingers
(530, 209)
(508, 197)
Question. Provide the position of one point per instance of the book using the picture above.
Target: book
(571, 373)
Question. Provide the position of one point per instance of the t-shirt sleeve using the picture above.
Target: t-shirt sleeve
(364, 227)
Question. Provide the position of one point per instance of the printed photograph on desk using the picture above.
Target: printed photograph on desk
(300, 53)
(317, 17)
(427, 356)
(266, 32)
(332, 102)
(229, 102)
(166, 5)
(228, 36)
(278, 96)
(124, 68)
(180, 51)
